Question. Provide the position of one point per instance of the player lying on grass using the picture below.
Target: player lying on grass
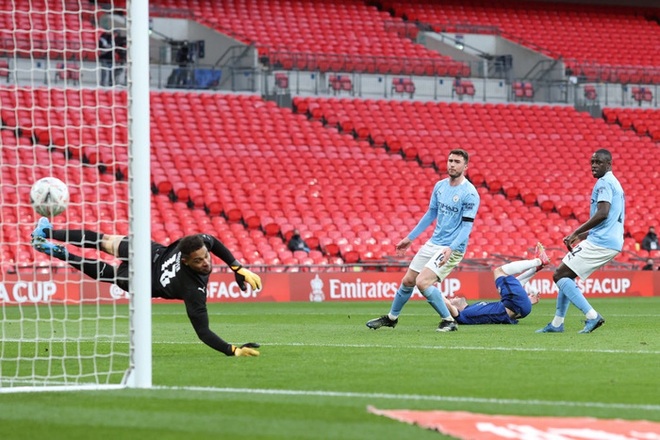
(179, 271)
(515, 302)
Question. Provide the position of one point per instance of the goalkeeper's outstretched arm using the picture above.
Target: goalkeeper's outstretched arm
(242, 274)
(199, 319)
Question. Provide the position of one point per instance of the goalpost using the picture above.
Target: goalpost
(66, 112)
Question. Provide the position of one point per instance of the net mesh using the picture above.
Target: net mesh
(63, 108)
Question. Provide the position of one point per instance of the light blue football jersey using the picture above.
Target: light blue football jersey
(608, 234)
(449, 205)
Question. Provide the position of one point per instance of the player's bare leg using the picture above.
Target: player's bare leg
(110, 244)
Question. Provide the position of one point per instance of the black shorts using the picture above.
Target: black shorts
(122, 270)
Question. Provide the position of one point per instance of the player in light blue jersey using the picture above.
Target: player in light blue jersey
(453, 206)
(514, 304)
(600, 239)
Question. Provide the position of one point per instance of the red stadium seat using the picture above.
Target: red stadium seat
(331, 249)
(272, 229)
(253, 222)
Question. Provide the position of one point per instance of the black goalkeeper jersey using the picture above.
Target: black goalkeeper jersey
(171, 279)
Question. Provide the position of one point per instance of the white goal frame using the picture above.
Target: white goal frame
(139, 370)
(139, 145)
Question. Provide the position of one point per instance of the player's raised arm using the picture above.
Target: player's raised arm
(241, 274)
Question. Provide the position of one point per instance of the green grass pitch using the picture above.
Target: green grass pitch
(320, 367)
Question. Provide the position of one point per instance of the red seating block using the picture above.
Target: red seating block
(517, 88)
(4, 69)
(282, 80)
(522, 90)
(606, 42)
(319, 193)
(339, 83)
(642, 94)
(67, 72)
(590, 92)
(403, 85)
(463, 87)
(335, 83)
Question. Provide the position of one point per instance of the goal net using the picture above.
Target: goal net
(64, 104)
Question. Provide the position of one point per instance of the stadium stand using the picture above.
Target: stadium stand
(599, 42)
(523, 132)
(308, 159)
(645, 122)
(28, 32)
(314, 190)
(338, 36)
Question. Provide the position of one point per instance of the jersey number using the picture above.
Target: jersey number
(169, 268)
(575, 250)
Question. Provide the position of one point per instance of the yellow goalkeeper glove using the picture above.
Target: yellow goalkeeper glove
(245, 349)
(244, 275)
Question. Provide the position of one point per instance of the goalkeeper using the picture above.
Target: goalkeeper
(178, 271)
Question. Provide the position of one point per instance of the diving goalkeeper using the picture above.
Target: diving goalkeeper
(178, 271)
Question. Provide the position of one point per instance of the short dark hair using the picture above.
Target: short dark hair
(462, 153)
(604, 152)
(189, 244)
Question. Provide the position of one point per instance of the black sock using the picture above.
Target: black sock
(77, 237)
(95, 269)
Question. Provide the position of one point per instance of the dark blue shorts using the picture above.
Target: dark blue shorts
(514, 297)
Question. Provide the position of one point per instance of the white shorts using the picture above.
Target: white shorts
(586, 258)
(427, 255)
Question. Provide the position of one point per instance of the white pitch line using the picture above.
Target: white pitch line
(388, 346)
(477, 348)
(443, 347)
(415, 397)
(364, 314)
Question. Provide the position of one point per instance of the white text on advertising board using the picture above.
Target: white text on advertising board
(230, 291)
(604, 286)
(379, 289)
(34, 292)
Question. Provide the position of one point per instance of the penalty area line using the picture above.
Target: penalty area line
(411, 397)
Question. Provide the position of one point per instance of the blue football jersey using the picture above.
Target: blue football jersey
(609, 233)
(448, 206)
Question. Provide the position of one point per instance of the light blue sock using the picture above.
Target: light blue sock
(562, 303)
(568, 287)
(400, 299)
(434, 297)
(562, 307)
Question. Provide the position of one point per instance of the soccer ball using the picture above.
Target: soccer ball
(49, 196)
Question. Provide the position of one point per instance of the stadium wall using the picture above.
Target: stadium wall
(64, 288)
